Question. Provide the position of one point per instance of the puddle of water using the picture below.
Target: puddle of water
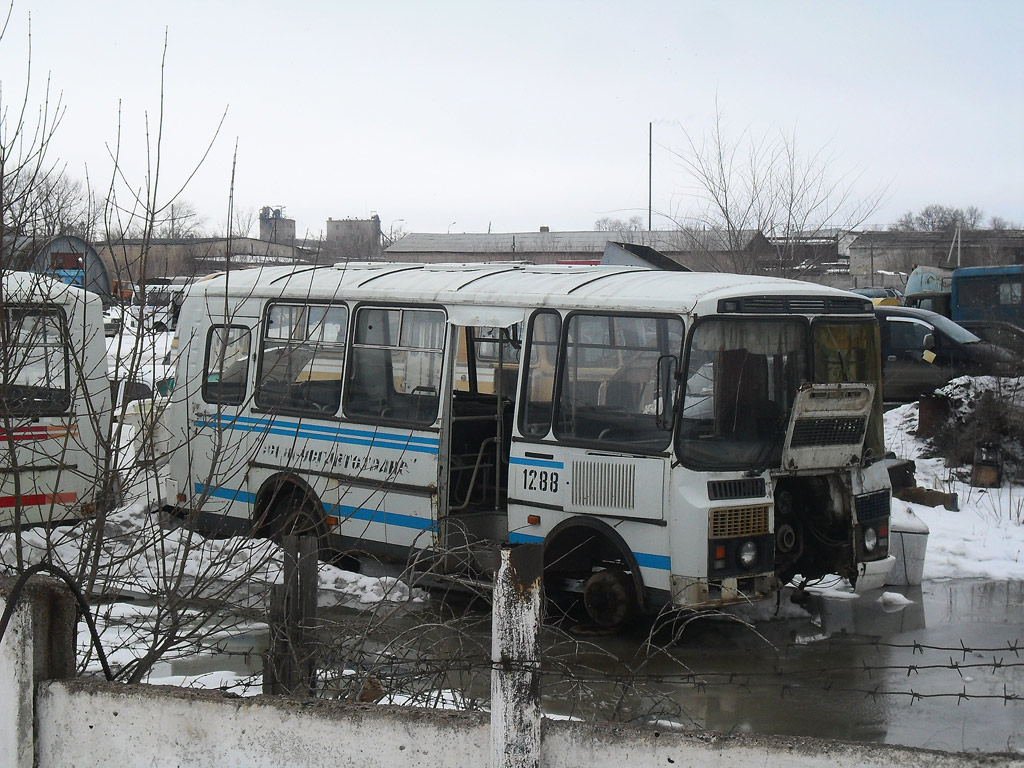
(938, 672)
(860, 670)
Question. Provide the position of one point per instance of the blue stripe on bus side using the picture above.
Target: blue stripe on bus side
(340, 511)
(219, 492)
(644, 560)
(658, 562)
(377, 516)
(536, 463)
(371, 438)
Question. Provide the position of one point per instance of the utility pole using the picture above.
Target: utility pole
(650, 172)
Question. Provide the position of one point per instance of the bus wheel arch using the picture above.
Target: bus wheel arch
(590, 550)
(286, 504)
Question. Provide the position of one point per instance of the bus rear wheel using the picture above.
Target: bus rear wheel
(610, 598)
(294, 514)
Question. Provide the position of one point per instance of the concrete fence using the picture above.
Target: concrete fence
(49, 719)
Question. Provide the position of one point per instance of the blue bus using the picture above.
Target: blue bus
(989, 302)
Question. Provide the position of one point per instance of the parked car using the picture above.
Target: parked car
(1005, 335)
(923, 350)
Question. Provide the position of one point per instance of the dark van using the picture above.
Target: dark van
(923, 350)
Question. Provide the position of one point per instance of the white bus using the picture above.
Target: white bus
(162, 302)
(678, 439)
(54, 400)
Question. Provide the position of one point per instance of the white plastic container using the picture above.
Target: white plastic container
(908, 542)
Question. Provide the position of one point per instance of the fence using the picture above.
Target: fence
(51, 719)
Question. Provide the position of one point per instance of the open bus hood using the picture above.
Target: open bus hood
(828, 426)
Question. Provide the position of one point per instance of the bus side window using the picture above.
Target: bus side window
(545, 328)
(395, 371)
(302, 357)
(226, 369)
(610, 388)
(1009, 292)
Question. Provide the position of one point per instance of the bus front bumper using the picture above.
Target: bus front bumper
(873, 575)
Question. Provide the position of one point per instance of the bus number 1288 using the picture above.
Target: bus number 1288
(540, 480)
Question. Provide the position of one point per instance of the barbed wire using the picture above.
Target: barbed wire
(1015, 647)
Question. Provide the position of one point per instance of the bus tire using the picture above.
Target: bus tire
(610, 598)
(588, 551)
(295, 514)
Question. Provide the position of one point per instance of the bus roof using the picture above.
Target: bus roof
(40, 286)
(1008, 269)
(516, 284)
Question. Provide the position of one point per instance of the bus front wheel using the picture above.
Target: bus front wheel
(610, 598)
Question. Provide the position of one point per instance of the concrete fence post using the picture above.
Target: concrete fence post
(515, 657)
(38, 644)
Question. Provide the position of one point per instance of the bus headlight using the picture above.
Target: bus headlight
(870, 539)
(747, 555)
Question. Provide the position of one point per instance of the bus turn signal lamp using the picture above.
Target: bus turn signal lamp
(533, 519)
(719, 563)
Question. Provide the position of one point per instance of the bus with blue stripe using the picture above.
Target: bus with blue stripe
(672, 440)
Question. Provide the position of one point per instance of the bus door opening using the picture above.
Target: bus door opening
(483, 403)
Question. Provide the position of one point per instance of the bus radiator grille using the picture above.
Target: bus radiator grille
(603, 485)
(872, 506)
(740, 488)
(841, 431)
(732, 522)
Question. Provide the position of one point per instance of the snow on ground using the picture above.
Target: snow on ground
(984, 538)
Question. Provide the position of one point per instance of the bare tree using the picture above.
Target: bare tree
(611, 224)
(998, 222)
(67, 207)
(746, 185)
(193, 584)
(180, 220)
(26, 169)
(940, 218)
(243, 220)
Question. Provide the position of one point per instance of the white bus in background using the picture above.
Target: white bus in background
(162, 302)
(672, 439)
(54, 400)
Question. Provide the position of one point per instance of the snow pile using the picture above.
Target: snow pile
(982, 411)
(985, 537)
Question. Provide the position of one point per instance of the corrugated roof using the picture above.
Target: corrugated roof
(676, 240)
(907, 239)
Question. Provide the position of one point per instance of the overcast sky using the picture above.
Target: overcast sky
(464, 116)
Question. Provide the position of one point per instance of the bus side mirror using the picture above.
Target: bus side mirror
(668, 374)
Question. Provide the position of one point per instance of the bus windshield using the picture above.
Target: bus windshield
(741, 381)
(35, 362)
